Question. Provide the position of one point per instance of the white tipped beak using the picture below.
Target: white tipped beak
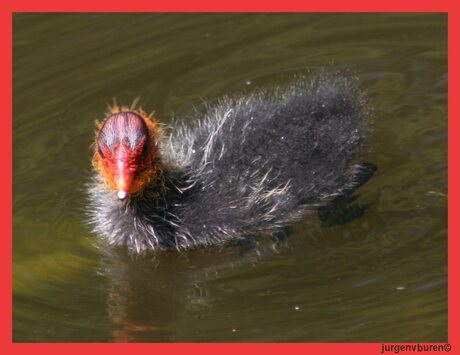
(122, 194)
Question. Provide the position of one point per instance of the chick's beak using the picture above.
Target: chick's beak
(124, 178)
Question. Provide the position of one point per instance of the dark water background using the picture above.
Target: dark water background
(380, 277)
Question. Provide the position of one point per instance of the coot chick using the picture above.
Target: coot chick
(249, 165)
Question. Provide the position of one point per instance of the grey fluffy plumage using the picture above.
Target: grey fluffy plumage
(251, 164)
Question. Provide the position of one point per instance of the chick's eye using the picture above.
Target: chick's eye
(146, 148)
(99, 150)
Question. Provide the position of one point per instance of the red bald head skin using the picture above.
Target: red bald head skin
(125, 152)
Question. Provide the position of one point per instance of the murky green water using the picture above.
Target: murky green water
(381, 277)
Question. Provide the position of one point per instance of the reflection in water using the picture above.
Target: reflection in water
(137, 306)
(147, 294)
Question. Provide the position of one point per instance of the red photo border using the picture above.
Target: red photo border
(7, 8)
